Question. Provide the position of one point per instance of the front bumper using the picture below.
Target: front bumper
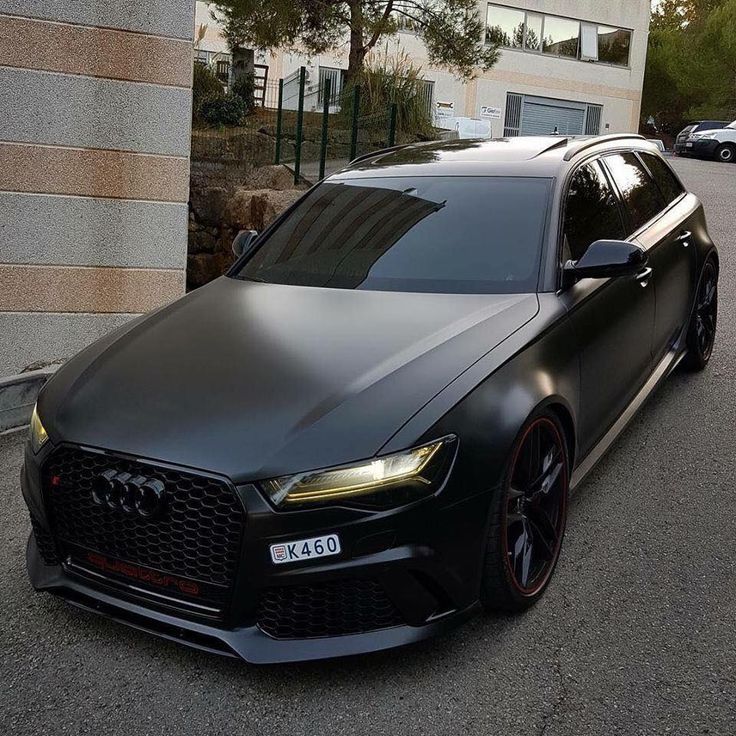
(426, 558)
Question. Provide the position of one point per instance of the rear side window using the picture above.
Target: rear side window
(637, 188)
(667, 182)
(591, 212)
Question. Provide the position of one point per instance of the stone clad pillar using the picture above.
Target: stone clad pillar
(95, 116)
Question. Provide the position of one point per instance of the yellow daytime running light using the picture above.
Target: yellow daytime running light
(323, 485)
(38, 432)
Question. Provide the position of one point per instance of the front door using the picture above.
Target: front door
(612, 318)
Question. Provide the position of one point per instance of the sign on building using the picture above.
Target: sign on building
(444, 109)
(486, 111)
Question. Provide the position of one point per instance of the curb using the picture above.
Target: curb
(18, 395)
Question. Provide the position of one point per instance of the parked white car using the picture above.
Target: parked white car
(719, 144)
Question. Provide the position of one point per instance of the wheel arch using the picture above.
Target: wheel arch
(564, 415)
(489, 421)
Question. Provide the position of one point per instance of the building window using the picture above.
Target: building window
(614, 45)
(557, 36)
(533, 38)
(505, 27)
(561, 37)
(336, 77)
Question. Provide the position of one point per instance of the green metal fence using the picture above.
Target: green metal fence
(312, 128)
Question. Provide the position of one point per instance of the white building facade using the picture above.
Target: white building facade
(570, 66)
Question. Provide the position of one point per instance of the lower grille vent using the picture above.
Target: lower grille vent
(328, 609)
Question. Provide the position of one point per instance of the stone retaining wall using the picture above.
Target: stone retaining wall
(224, 200)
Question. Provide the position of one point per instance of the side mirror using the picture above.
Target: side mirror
(243, 242)
(606, 258)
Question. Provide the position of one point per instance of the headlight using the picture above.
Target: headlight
(38, 432)
(383, 481)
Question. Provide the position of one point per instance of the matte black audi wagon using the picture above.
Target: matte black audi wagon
(369, 428)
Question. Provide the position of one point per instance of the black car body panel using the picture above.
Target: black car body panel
(285, 377)
(704, 148)
(241, 382)
(698, 126)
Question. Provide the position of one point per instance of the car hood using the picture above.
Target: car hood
(254, 380)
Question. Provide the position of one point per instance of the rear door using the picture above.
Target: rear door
(612, 318)
(662, 223)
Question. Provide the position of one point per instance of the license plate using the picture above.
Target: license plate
(689, 144)
(305, 549)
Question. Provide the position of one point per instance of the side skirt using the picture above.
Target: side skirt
(663, 369)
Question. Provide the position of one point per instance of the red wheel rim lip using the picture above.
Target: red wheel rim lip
(709, 271)
(529, 592)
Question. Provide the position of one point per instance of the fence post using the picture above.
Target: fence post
(299, 124)
(392, 124)
(354, 132)
(325, 114)
(277, 157)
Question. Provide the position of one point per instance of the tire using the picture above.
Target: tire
(522, 548)
(726, 153)
(701, 332)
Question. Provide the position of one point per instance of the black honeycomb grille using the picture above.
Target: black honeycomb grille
(45, 543)
(333, 608)
(197, 536)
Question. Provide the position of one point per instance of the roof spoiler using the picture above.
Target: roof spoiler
(379, 152)
(576, 148)
(561, 142)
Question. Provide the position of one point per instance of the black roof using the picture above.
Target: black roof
(518, 156)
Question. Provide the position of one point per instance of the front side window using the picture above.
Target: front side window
(421, 234)
(667, 182)
(561, 37)
(591, 212)
(505, 26)
(637, 188)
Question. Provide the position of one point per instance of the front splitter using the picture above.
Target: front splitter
(248, 643)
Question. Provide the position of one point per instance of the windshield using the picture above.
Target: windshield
(425, 234)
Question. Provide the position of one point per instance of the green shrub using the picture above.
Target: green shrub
(226, 109)
(392, 79)
(205, 85)
(244, 86)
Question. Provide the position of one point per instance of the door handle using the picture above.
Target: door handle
(644, 275)
(684, 238)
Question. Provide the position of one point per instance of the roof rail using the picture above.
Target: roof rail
(574, 150)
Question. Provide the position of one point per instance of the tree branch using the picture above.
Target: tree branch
(418, 21)
(379, 26)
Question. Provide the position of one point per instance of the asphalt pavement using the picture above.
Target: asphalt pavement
(636, 635)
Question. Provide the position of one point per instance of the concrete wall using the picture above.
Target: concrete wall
(95, 110)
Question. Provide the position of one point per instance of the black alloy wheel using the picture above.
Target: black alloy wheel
(702, 331)
(529, 518)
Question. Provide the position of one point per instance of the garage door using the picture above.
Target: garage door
(528, 115)
(540, 118)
